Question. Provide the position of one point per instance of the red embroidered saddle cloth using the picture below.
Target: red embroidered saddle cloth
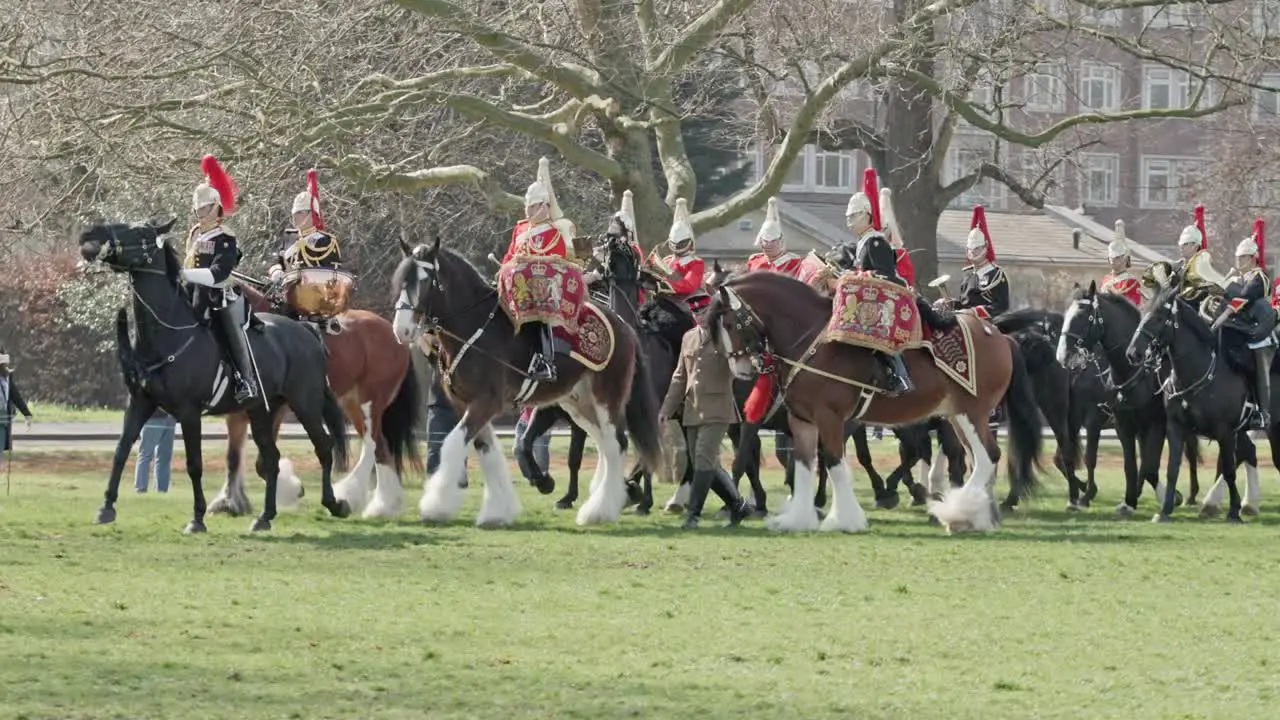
(952, 352)
(874, 313)
(545, 289)
(593, 344)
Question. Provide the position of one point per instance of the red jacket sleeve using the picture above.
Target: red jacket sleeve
(906, 270)
(511, 249)
(690, 278)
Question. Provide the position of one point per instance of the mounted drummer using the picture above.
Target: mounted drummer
(905, 268)
(1199, 279)
(211, 256)
(545, 232)
(773, 253)
(1248, 318)
(1121, 280)
(622, 224)
(683, 268)
(308, 245)
(985, 288)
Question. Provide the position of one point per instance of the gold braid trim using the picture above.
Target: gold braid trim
(312, 258)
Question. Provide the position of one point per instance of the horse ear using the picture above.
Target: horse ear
(715, 265)
(163, 228)
(435, 245)
(405, 249)
(1093, 287)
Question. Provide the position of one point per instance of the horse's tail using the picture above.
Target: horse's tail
(400, 419)
(335, 421)
(642, 414)
(1024, 425)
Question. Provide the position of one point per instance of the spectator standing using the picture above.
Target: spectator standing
(156, 448)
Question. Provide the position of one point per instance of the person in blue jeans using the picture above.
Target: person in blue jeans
(157, 447)
(441, 419)
(541, 446)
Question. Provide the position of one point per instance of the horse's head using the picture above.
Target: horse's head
(413, 283)
(739, 332)
(1081, 324)
(125, 248)
(717, 277)
(1158, 325)
(615, 255)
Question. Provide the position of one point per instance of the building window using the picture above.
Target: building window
(1168, 182)
(1099, 179)
(1045, 91)
(1099, 87)
(987, 192)
(1169, 16)
(1093, 16)
(833, 172)
(1164, 88)
(1266, 103)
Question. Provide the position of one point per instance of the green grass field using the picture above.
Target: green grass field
(57, 413)
(1055, 616)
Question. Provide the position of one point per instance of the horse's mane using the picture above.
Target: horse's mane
(1119, 303)
(401, 273)
(794, 287)
(1195, 323)
(172, 263)
(1016, 320)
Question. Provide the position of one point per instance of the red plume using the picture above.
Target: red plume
(1204, 236)
(313, 187)
(873, 196)
(980, 221)
(219, 180)
(1259, 240)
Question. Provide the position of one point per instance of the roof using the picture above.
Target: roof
(1037, 238)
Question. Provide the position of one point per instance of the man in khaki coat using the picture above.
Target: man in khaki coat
(701, 394)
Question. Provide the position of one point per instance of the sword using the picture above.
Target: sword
(251, 280)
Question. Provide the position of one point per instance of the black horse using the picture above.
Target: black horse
(1204, 395)
(660, 325)
(177, 365)
(1097, 329)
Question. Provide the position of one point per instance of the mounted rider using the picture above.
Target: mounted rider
(985, 288)
(622, 225)
(773, 256)
(1199, 279)
(683, 268)
(1121, 281)
(308, 245)
(871, 252)
(1249, 319)
(211, 255)
(545, 233)
(904, 267)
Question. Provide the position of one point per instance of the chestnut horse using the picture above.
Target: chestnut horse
(825, 383)
(371, 374)
(480, 356)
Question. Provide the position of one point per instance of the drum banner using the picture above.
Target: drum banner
(870, 312)
(593, 344)
(542, 289)
(815, 272)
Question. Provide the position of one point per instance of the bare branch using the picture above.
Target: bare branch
(698, 35)
(386, 177)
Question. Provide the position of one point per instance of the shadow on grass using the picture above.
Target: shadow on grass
(351, 538)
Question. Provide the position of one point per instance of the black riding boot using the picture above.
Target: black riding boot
(238, 348)
(1262, 387)
(723, 487)
(899, 379)
(543, 367)
(702, 481)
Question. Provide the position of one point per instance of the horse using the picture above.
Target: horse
(1200, 397)
(372, 377)
(479, 356)
(1096, 330)
(656, 324)
(177, 365)
(769, 314)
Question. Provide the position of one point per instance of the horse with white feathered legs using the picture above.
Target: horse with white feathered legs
(479, 356)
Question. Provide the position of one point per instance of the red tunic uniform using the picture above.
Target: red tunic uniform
(544, 238)
(906, 270)
(688, 271)
(1123, 283)
(787, 263)
(1275, 294)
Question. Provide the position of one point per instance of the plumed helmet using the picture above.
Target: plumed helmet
(771, 228)
(681, 228)
(218, 187)
(1118, 247)
(309, 200)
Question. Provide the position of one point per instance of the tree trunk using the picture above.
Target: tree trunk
(653, 218)
(912, 175)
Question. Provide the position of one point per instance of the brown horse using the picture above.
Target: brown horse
(825, 383)
(480, 353)
(370, 373)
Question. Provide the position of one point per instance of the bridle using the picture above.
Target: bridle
(1170, 386)
(1095, 334)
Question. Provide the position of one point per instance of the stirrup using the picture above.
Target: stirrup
(542, 370)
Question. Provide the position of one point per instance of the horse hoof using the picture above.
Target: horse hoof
(106, 516)
(888, 502)
(195, 527)
(643, 510)
(1073, 507)
(1007, 506)
(1210, 511)
(1124, 511)
(341, 509)
(545, 485)
(919, 496)
(674, 509)
(760, 513)
(1233, 518)
(1083, 503)
(1161, 518)
(1249, 511)
(260, 525)
(564, 504)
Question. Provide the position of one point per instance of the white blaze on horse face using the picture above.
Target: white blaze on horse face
(1067, 321)
(402, 321)
(739, 366)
